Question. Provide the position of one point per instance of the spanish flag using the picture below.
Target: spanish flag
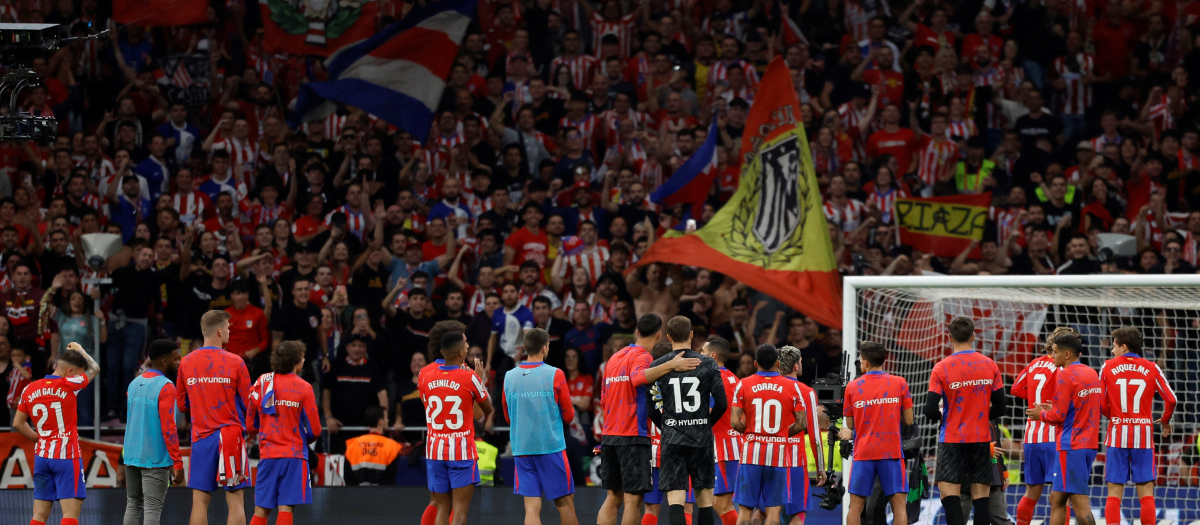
(771, 234)
(943, 226)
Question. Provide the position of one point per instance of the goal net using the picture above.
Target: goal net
(1012, 316)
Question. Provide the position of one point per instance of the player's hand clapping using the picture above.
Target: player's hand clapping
(1035, 413)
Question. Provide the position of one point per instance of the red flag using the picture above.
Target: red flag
(772, 233)
(943, 226)
(316, 27)
(160, 12)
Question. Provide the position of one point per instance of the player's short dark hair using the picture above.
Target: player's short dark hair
(286, 356)
(1130, 337)
(738, 301)
(660, 350)
(679, 329)
(452, 343)
(373, 414)
(161, 347)
(440, 329)
(719, 346)
(649, 324)
(535, 340)
(767, 356)
(874, 353)
(70, 357)
(1069, 343)
(961, 330)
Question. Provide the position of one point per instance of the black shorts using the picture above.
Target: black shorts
(680, 462)
(964, 463)
(625, 468)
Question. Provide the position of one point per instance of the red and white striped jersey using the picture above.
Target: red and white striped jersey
(478, 206)
(449, 394)
(439, 139)
(50, 405)
(1103, 140)
(587, 128)
(935, 159)
(191, 206)
(1006, 220)
(769, 402)
(1189, 247)
(728, 442)
(718, 73)
(811, 434)
(851, 117)
(849, 215)
(623, 28)
(241, 153)
(582, 67)
(963, 129)
(1161, 117)
(655, 444)
(435, 159)
(94, 202)
(745, 93)
(99, 169)
(592, 261)
(1130, 382)
(260, 214)
(356, 222)
(1175, 220)
(334, 124)
(992, 77)
(1036, 384)
(856, 19)
(612, 122)
(1077, 96)
(884, 201)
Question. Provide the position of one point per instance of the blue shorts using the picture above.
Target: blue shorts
(799, 497)
(726, 477)
(55, 479)
(220, 455)
(1129, 464)
(1040, 461)
(657, 497)
(282, 481)
(548, 474)
(890, 472)
(1073, 471)
(761, 487)
(445, 476)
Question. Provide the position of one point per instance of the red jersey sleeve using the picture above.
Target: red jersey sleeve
(937, 382)
(1020, 387)
(1104, 405)
(563, 394)
(182, 393)
(737, 395)
(641, 363)
(166, 418)
(310, 413)
(1165, 391)
(243, 383)
(76, 383)
(479, 393)
(252, 410)
(814, 429)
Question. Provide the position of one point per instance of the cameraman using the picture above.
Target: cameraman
(880, 403)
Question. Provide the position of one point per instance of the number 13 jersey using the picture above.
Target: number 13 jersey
(770, 402)
(50, 405)
(686, 399)
(450, 394)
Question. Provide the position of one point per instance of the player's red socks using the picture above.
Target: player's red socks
(687, 518)
(429, 517)
(258, 520)
(649, 519)
(1112, 511)
(729, 518)
(284, 518)
(1149, 513)
(1025, 509)
(36, 522)
(70, 521)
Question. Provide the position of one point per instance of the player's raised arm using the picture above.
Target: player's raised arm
(93, 368)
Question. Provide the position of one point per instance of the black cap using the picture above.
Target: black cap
(302, 247)
(161, 347)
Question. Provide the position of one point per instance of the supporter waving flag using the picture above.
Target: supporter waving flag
(691, 183)
(398, 74)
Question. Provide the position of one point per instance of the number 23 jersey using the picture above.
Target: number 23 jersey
(449, 394)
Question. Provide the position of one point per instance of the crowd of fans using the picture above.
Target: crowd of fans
(530, 198)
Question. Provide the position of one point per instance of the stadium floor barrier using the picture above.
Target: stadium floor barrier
(365, 505)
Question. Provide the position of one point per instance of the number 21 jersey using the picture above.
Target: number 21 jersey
(450, 394)
(50, 404)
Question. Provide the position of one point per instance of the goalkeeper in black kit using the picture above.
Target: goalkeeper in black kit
(690, 403)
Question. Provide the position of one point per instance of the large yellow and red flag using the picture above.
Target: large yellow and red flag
(771, 234)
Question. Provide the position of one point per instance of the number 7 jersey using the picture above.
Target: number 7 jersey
(50, 405)
(449, 394)
(1036, 385)
(1130, 382)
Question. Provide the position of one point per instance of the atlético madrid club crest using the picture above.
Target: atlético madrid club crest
(322, 20)
(769, 222)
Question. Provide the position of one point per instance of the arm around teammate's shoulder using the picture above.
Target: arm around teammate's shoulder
(720, 402)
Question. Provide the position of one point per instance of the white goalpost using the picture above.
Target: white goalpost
(1013, 315)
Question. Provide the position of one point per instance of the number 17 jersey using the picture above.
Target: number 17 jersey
(1130, 382)
(686, 399)
(449, 394)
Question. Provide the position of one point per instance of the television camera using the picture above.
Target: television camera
(19, 44)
